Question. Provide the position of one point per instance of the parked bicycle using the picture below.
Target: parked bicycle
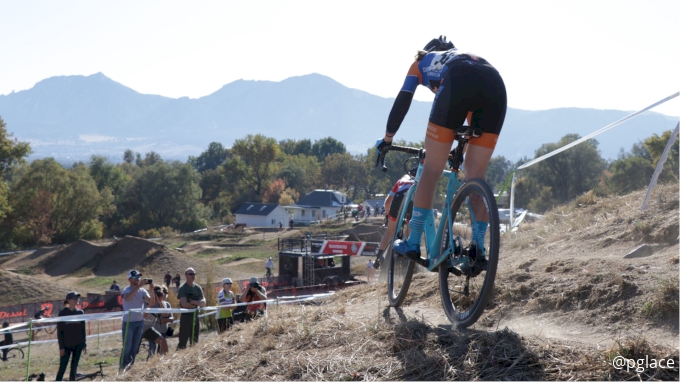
(15, 352)
(467, 269)
(92, 376)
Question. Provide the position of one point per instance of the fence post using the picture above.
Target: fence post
(122, 352)
(99, 331)
(193, 328)
(30, 338)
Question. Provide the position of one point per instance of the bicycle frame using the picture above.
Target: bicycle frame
(434, 237)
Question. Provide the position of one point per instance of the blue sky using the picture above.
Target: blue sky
(599, 54)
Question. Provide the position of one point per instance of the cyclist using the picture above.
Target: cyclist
(393, 205)
(466, 87)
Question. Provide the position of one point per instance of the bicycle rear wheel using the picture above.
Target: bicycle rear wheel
(400, 268)
(15, 353)
(467, 286)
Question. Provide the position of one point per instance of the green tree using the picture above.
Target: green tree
(168, 194)
(210, 159)
(327, 146)
(629, 174)
(51, 199)
(107, 175)
(293, 147)
(569, 173)
(655, 145)
(498, 171)
(12, 151)
(259, 153)
(300, 172)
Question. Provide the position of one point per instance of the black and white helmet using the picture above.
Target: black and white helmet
(438, 44)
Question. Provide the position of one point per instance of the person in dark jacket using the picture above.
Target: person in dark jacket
(9, 339)
(71, 338)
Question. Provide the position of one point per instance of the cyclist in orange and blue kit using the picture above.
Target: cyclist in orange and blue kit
(466, 87)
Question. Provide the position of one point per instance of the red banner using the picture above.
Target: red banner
(350, 248)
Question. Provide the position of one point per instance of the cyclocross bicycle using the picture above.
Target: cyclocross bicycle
(467, 269)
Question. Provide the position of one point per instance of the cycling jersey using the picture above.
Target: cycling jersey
(430, 71)
(402, 185)
(398, 193)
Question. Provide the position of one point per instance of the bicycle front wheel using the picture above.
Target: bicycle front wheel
(466, 284)
(399, 269)
(15, 353)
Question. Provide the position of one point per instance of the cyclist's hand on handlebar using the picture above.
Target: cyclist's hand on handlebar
(381, 148)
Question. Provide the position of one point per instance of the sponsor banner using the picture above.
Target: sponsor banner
(350, 248)
(91, 303)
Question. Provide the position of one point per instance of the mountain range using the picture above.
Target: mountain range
(72, 117)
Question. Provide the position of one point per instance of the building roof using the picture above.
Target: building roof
(372, 202)
(260, 209)
(324, 198)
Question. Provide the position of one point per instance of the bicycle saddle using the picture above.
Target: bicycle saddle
(472, 132)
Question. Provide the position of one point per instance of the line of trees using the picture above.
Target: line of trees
(43, 202)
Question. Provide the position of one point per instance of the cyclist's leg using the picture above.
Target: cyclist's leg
(488, 113)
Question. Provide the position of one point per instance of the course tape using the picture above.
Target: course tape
(602, 130)
(117, 315)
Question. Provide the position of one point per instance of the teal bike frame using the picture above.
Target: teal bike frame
(433, 237)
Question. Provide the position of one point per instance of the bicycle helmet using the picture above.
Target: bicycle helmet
(438, 44)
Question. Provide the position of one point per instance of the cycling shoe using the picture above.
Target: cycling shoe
(403, 248)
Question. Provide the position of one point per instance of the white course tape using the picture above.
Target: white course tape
(118, 315)
(602, 130)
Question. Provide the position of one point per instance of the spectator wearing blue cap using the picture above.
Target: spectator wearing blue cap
(134, 297)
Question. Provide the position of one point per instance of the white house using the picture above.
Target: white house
(261, 215)
(318, 205)
(372, 203)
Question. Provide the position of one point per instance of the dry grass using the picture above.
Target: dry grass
(333, 342)
(611, 219)
(664, 302)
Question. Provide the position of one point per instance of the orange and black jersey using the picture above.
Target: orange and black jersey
(427, 72)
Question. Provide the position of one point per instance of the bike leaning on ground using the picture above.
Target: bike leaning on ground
(467, 269)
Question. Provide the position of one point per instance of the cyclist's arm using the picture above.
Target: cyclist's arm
(403, 101)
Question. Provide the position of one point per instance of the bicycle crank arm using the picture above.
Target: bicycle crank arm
(435, 262)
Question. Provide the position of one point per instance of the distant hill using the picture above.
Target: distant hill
(73, 117)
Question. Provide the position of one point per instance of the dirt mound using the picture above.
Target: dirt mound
(196, 247)
(29, 259)
(159, 262)
(72, 258)
(23, 289)
(125, 254)
(366, 232)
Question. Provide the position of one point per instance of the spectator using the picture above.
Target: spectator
(190, 296)
(71, 338)
(177, 280)
(9, 338)
(269, 266)
(290, 223)
(253, 292)
(134, 297)
(156, 324)
(280, 226)
(369, 267)
(115, 286)
(224, 316)
(167, 279)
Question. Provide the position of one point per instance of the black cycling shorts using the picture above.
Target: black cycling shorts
(477, 88)
(395, 207)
